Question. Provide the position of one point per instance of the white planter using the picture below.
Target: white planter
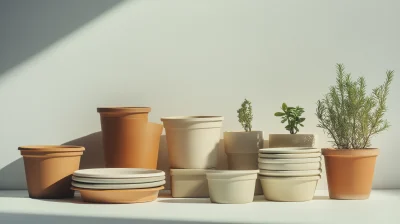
(193, 141)
(291, 189)
(290, 166)
(232, 186)
(292, 140)
(189, 183)
(290, 156)
(290, 173)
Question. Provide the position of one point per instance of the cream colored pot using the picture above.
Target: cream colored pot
(292, 140)
(189, 183)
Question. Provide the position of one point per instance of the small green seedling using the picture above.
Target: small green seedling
(293, 116)
(245, 115)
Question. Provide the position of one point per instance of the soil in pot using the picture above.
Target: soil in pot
(290, 189)
(232, 186)
(193, 142)
(49, 169)
(350, 172)
(126, 139)
(292, 140)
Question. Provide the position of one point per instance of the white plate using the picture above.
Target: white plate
(117, 181)
(289, 150)
(110, 173)
(298, 173)
(290, 166)
(301, 160)
(290, 156)
(117, 186)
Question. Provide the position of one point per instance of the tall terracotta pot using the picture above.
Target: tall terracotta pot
(49, 169)
(124, 136)
(350, 172)
(193, 142)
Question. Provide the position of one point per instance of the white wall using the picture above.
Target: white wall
(186, 58)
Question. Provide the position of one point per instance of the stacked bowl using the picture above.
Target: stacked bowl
(118, 185)
(289, 174)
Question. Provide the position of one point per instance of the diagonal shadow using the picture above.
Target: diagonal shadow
(28, 27)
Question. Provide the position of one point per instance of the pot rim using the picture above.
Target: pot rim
(232, 172)
(367, 152)
(117, 190)
(51, 148)
(316, 177)
(237, 132)
(188, 172)
(193, 118)
(123, 109)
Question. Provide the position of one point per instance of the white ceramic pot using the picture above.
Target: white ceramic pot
(301, 160)
(189, 183)
(290, 189)
(290, 156)
(290, 173)
(193, 142)
(232, 186)
(289, 150)
(290, 166)
(292, 140)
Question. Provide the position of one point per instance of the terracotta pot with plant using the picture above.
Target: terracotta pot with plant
(351, 117)
(242, 147)
(292, 115)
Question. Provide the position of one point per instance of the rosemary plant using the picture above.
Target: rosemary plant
(245, 115)
(348, 115)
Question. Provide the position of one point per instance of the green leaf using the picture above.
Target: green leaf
(283, 121)
(301, 125)
(279, 114)
(302, 119)
(284, 106)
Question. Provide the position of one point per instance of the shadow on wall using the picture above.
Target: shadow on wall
(41, 23)
(12, 176)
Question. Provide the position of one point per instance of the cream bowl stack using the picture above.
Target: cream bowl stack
(289, 174)
(118, 185)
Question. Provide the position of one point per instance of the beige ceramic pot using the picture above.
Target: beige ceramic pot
(49, 169)
(290, 156)
(290, 173)
(290, 166)
(189, 183)
(232, 186)
(193, 142)
(292, 140)
(300, 160)
(290, 189)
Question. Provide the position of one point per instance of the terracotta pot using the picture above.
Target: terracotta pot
(292, 140)
(48, 170)
(350, 172)
(126, 141)
(193, 142)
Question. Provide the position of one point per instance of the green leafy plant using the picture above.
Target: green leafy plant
(348, 115)
(245, 115)
(291, 115)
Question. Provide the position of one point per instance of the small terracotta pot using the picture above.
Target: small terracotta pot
(48, 170)
(350, 172)
(124, 134)
(193, 142)
(292, 140)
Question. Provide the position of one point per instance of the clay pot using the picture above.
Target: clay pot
(350, 172)
(231, 186)
(292, 140)
(291, 189)
(242, 149)
(193, 142)
(129, 141)
(48, 170)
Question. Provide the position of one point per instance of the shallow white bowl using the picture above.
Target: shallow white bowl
(286, 173)
(117, 186)
(290, 156)
(300, 160)
(111, 173)
(290, 166)
(289, 150)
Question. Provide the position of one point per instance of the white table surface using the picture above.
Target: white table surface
(383, 207)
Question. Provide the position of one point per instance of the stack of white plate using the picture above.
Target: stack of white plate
(289, 174)
(118, 185)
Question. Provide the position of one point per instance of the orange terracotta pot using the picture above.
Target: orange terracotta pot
(49, 169)
(129, 141)
(350, 172)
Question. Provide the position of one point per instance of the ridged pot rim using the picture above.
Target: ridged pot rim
(309, 178)
(127, 110)
(229, 174)
(188, 172)
(193, 118)
(367, 152)
(51, 148)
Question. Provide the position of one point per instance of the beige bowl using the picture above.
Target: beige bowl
(290, 166)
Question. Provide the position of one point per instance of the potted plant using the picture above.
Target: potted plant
(351, 117)
(292, 115)
(242, 147)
